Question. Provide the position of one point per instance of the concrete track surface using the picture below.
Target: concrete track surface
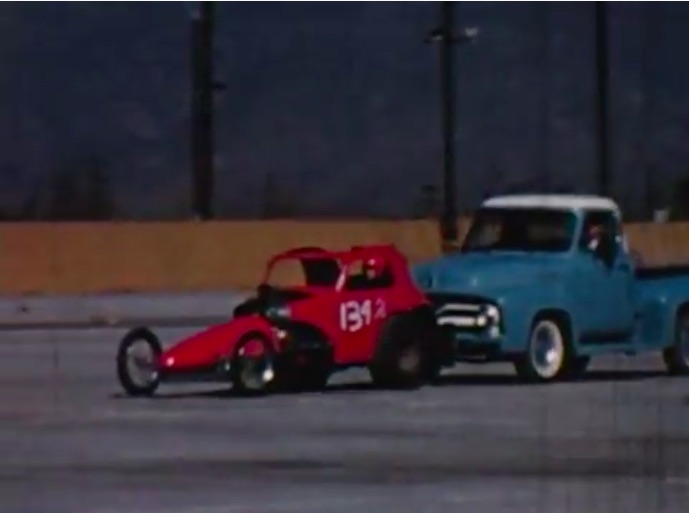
(69, 443)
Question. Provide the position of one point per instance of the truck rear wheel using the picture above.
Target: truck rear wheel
(546, 357)
(402, 359)
(676, 357)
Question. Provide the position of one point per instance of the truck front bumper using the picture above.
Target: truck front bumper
(477, 346)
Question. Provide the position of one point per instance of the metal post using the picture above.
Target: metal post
(601, 10)
(448, 222)
(202, 137)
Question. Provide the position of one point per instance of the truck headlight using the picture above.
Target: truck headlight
(492, 313)
(490, 318)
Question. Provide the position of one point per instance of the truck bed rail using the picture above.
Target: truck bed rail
(666, 271)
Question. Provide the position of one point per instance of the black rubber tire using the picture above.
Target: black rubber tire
(128, 384)
(313, 378)
(238, 372)
(576, 367)
(440, 351)
(676, 363)
(525, 366)
(403, 336)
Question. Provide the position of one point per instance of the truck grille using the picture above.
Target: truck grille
(459, 312)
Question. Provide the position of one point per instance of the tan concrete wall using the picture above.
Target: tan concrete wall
(661, 243)
(94, 257)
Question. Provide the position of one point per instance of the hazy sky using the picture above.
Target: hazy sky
(338, 101)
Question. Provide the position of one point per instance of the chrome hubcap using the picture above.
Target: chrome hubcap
(141, 363)
(255, 371)
(547, 349)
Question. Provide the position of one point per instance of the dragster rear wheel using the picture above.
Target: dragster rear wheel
(404, 357)
(137, 358)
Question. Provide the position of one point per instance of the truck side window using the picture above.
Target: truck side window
(597, 224)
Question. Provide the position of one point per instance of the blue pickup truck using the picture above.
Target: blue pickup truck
(547, 282)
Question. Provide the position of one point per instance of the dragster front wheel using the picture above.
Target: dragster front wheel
(137, 358)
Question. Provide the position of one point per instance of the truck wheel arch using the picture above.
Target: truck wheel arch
(561, 317)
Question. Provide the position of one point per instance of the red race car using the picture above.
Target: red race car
(353, 308)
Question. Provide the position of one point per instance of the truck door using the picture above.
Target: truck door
(611, 277)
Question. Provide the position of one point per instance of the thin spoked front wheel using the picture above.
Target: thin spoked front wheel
(137, 358)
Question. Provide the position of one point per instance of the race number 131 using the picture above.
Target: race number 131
(355, 315)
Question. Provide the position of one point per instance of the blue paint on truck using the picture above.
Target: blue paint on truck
(547, 282)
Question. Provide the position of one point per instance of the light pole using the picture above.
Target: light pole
(445, 36)
(203, 87)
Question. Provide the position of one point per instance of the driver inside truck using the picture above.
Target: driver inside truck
(593, 236)
(597, 227)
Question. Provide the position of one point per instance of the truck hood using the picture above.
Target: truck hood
(482, 273)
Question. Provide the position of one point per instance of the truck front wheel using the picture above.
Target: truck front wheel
(546, 354)
(676, 356)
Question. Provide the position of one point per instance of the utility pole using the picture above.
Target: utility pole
(601, 16)
(447, 39)
(448, 224)
(543, 19)
(647, 108)
(203, 87)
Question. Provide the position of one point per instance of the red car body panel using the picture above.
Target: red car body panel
(349, 317)
(212, 344)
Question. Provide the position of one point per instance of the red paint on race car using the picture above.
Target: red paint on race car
(347, 297)
(334, 318)
(212, 344)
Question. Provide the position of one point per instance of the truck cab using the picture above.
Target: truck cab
(547, 282)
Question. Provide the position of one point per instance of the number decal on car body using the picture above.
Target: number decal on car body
(355, 315)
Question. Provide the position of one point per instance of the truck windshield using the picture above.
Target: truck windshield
(519, 229)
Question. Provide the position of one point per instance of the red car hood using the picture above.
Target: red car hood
(207, 347)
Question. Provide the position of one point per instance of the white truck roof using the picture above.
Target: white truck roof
(554, 201)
